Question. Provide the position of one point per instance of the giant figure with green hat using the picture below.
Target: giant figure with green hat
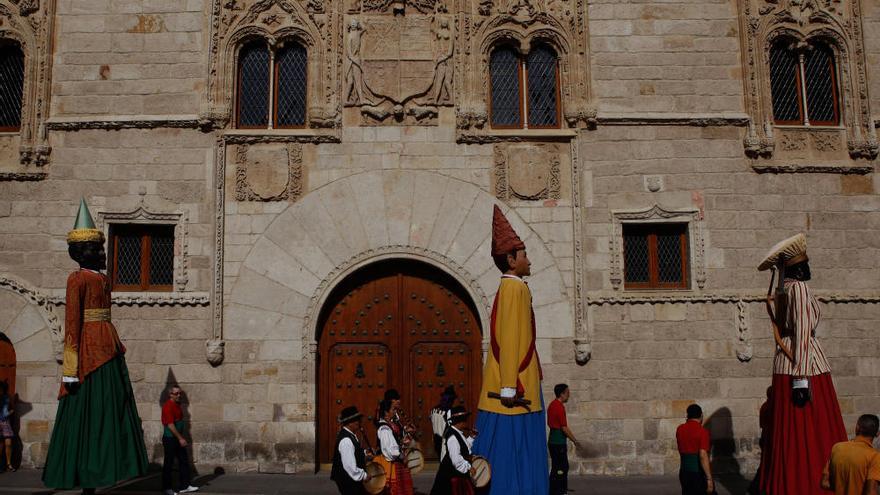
(98, 439)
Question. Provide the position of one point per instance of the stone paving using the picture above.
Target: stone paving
(28, 482)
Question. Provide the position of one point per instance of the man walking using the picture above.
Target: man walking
(695, 474)
(854, 467)
(174, 444)
(557, 441)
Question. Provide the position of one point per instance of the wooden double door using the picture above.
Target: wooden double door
(397, 324)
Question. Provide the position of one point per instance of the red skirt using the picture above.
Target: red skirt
(399, 481)
(462, 486)
(800, 438)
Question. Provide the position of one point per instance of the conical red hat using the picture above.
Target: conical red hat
(504, 239)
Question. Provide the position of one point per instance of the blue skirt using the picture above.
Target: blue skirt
(516, 448)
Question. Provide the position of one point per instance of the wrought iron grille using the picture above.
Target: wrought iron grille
(636, 258)
(253, 86)
(128, 259)
(291, 86)
(819, 75)
(542, 86)
(11, 84)
(784, 83)
(506, 88)
(162, 256)
(669, 256)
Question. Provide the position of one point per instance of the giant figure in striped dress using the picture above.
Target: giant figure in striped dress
(806, 420)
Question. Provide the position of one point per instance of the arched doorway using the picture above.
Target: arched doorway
(395, 324)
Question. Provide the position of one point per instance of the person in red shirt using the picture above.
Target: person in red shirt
(695, 474)
(174, 444)
(557, 441)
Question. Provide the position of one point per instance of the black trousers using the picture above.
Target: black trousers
(558, 468)
(173, 451)
(692, 483)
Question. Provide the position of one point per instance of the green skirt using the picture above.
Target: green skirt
(98, 439)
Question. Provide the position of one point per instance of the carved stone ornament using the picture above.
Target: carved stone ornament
(269, 172)
(657, 214)
(214, 351)
(484, 25)
(234, 22)
(142, 214)
(836, 22)
(527, 171)
(28, 23)
(398, 69)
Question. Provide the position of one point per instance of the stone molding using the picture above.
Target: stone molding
(45, 305)
(744, 351)
(693, 217)
(214, 350)
(31, 23)
(142, 215)
(762, 21)
(490, 136)
(677, 119)
(258, 136)
(561, 24)
(583, 324)
(600, 298)
(119, 122)
(234, 22)
(803, 168)
(142, 299)
(22, 176)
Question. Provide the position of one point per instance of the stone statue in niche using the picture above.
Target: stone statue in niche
(443, 48)
(354, 70)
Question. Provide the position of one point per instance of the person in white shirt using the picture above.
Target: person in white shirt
(349, 458)
(453, 476)
(399, 479)
(438, 418)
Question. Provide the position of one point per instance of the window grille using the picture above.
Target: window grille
(803, 79)
(541, 68)
(11, 86)
(511, 76)
(655, 256)
(253, 86)
(290, 86)
(142, 257)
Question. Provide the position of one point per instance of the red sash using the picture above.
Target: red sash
(496, 349)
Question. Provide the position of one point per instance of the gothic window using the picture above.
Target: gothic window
(11, 84)
(524, 90)
(141, 257)
(271, 90)
(803, 84)
(655, 256)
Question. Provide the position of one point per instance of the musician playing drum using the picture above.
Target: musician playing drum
(349, 458)
(453, 476)
(399, 480)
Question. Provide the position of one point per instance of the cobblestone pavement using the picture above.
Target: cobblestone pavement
(28, 482)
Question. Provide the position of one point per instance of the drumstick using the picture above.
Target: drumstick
(517, 401)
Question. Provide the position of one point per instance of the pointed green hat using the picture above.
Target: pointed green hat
(84, 229)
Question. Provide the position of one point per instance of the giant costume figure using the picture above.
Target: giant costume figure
(806, 419)
(97, 439)
(511, 422)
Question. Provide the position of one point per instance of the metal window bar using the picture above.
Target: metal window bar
(253, 86)
(11, 87)
(820, 85)
(161, 256)
(290, 86)
(542, 83)
(505, 79)
(785, 86)
(655, 256)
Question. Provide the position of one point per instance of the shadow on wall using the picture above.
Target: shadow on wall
(723, 454)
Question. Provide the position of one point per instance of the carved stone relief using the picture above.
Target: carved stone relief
(836, 21)
(269, 172)
(527, 171)
(29, 24)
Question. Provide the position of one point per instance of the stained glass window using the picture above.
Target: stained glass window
(11, 85)
(655, 256)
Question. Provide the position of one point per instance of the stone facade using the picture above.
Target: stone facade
(665, 117)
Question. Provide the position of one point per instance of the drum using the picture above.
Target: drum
(376, 483)
(415, 461)
(481, 472)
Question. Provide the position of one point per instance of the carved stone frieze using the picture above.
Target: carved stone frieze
(528, 171)
(29, 24)
(692, 216)
(269, 172)
(836, 22)
(234, 22)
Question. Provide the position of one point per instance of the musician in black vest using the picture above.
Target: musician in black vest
(453, 476)
(349, 459)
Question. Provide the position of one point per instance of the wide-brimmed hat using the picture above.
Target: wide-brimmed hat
(457, 413)
(349, 414)
(791, 251)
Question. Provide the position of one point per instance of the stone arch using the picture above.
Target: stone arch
(32, 328)
(314, 243)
